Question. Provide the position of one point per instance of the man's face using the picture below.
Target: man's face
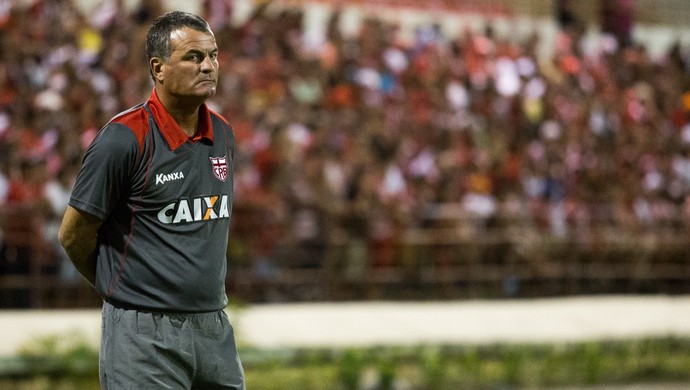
(192, 69)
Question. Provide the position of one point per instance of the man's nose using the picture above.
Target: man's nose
(208, 65)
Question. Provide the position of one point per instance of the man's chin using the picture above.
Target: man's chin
(211, 92)
(206, 92)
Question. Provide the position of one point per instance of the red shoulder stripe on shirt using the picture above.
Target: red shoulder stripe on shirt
(137, 120)
(217, 115)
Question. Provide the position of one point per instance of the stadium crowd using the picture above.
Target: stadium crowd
(360, 138)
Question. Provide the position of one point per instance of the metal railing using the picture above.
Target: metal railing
(467, 259)
(453, 256)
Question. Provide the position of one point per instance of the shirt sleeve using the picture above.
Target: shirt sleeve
(106, 171)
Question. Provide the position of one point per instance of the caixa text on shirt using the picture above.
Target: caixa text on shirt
(202, 208)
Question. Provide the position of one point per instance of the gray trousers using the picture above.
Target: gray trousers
(143, 350)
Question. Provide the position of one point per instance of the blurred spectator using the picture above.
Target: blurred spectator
(57, 191)
(565, 14)
(617, 19)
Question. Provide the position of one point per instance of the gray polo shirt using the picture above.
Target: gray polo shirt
(166, 202)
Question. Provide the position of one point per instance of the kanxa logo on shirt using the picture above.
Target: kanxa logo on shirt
(162, 178)
(202, 208)
(219, 166)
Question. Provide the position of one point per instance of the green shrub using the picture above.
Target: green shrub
(69, 362)
(434, 369)
(350, 369)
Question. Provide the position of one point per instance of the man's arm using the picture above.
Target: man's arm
(77, 235)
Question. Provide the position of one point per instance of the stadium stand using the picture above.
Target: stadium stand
(388, 163)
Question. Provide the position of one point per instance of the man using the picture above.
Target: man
(148, 220)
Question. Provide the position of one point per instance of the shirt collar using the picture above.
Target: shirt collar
(172, 132)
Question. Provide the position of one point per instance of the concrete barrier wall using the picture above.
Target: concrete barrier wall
(402, 323)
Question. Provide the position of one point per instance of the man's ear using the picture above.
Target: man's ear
(156, 65)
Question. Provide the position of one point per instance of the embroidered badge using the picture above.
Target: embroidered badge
(219, 166)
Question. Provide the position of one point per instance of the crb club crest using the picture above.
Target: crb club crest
(219, 166)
